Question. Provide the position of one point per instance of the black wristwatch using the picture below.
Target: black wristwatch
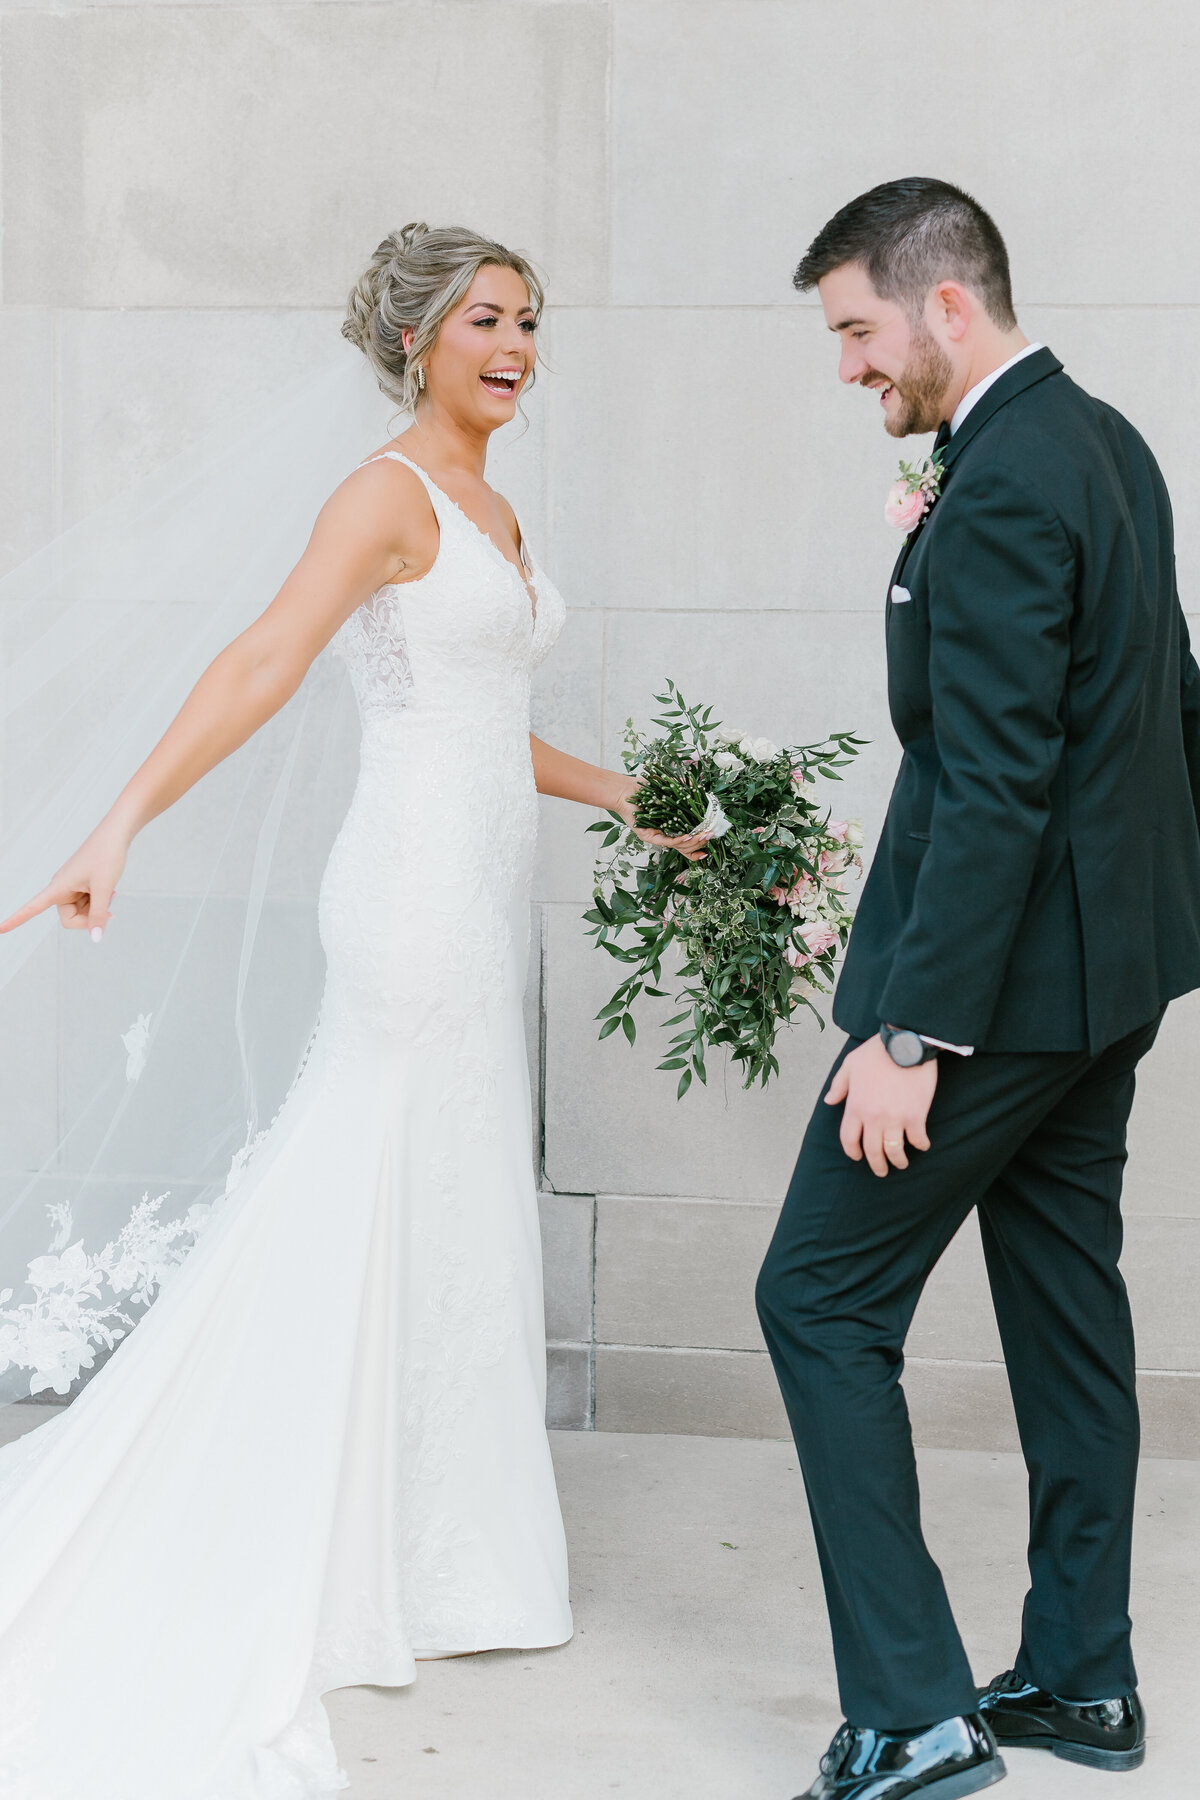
(906, 1048)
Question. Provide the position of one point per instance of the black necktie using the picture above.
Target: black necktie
(942, 438)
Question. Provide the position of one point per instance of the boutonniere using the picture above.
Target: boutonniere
(910, 498)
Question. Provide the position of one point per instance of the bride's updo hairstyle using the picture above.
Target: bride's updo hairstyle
(417, 277)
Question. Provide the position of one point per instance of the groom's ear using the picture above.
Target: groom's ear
(950, 309)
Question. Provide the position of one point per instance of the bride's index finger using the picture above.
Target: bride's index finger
(39, 904)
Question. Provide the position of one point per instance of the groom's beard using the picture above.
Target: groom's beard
(921, 388)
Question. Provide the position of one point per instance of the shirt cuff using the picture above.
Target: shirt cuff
(937, 1044)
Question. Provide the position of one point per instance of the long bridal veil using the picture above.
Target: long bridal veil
(137, 1071)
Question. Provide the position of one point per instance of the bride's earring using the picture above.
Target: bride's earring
(421, 381)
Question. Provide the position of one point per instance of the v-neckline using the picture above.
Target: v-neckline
(485, 536)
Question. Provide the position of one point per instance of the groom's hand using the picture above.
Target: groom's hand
(884, 1106)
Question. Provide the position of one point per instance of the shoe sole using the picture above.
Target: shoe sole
(967, 1781)
(1090, 1757)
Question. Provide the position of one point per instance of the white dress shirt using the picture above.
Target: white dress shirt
(975, 394)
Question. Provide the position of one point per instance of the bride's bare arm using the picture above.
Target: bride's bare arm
(568, 778)
(372, 529)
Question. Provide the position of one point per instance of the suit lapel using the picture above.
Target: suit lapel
(898, 568)
(1017, 380)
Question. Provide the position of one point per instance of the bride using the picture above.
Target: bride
(309, 1469)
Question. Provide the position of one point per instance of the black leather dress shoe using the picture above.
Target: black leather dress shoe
(949, 1760)
(1103, 1734)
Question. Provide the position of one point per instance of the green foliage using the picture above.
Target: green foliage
(924, 476)
(738, 918)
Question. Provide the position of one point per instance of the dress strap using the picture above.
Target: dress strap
(436, 497)
(449, 512)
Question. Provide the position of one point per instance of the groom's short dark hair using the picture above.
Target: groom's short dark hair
(909, 235)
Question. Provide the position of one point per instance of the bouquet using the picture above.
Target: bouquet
(759, 919)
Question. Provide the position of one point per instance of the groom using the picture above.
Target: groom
(1033, 905)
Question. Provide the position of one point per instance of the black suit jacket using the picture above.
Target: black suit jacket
(1037, 883)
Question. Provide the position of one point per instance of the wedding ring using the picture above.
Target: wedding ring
(892, 1143)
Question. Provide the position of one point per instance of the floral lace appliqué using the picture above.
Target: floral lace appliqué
(375, 649)
(79, 1299)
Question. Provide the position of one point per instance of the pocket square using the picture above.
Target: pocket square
(900, 595)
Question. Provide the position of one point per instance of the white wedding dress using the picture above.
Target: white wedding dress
(322, 1454)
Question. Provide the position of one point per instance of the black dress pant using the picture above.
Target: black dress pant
(1037, 1143)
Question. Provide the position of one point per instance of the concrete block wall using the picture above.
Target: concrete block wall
(187, 192)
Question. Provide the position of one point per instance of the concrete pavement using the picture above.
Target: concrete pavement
(701, 1667)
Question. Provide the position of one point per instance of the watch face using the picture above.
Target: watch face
(906, 1049)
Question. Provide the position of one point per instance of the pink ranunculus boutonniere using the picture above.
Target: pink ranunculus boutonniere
(910, 498)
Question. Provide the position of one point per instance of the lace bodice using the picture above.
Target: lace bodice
(429, 879)
(465, 633)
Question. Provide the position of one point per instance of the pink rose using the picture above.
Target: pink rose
(795, 896)
(838, 830)
(819, 938)
(832, 862)
(903, 508)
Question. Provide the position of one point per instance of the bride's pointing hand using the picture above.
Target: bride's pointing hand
(84, 887)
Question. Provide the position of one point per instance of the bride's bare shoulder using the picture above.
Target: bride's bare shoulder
(386, 496)
(379, 520)
(384, 472)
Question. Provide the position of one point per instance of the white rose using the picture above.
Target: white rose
(725, 759)
(854, 835)
(760, 750)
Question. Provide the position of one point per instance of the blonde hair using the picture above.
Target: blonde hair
(415, 279)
